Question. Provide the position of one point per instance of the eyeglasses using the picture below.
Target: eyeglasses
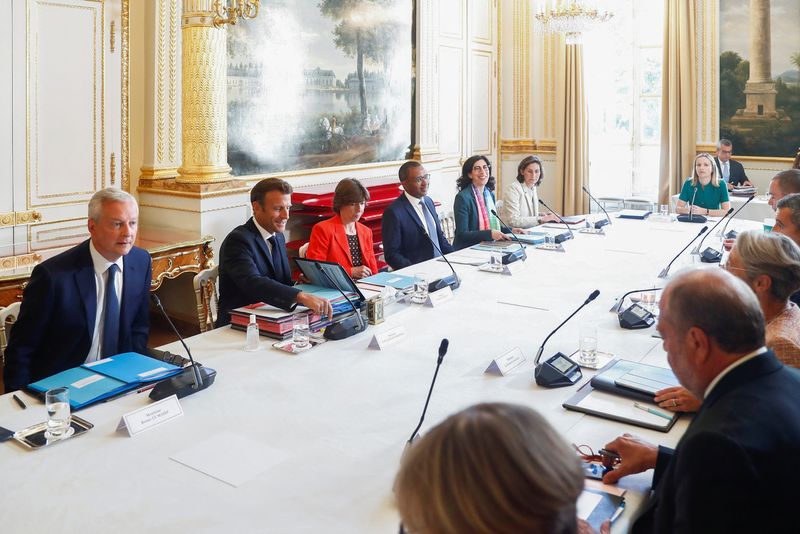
(728, 267)
(484, 168)
(608, 459)
(423, 178)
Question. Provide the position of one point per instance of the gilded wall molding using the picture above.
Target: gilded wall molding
(426, 67)
(527, 146)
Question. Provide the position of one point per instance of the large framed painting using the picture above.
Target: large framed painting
(320, 83)
(759, 76)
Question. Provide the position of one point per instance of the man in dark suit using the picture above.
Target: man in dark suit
(253, 263)
(729, 170)
(409, 218)
(86, 303)
(731, 470)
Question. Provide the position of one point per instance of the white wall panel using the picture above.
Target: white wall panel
(481, 21)
(481, 116)
(451, 102)
(451, 18)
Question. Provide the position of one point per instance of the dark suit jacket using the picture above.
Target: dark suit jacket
(246, 273)
(733, 470)
(59, 306)
(328, 242)
(465, 212)
(737, 175)
(404, 240)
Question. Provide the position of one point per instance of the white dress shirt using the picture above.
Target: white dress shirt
(264, 234)
(101, 266)
(418, 209)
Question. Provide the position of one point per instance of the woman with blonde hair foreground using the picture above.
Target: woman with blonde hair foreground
(491, 468)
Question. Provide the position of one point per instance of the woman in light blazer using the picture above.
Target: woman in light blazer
(521, 203)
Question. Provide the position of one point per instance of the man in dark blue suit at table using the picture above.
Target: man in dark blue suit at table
(409, 219)
(86, 303)
(253, 265)
(729, 170)
(732, 469)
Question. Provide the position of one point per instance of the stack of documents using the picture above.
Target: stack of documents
(748, 191)
(273, 322)
(99, 380)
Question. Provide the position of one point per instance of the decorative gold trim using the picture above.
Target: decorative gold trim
(113, 168)
(7, 219)
(18, 262)
(710, 148)
(172, 187)
(527, 146)
(125, 99)
(158, 173)
(27, 217)
(772, 159)
(186, 210)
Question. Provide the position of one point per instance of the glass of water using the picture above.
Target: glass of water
(58, 413)
(664, 210)
(549, 241)
(587, 343)
(420, 288)
(300, 330)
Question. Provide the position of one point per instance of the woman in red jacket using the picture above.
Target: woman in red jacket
(342, 239)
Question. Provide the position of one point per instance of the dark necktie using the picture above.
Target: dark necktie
(431, 224)
(277, 261)
(111, 315)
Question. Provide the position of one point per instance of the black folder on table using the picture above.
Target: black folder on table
(633, 379)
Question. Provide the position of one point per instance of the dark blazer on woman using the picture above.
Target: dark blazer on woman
(465, 212)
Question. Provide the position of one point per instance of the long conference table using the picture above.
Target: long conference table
(330, 424)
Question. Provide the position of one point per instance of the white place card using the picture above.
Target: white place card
(439, 297)
(506, 363)
(151, 416)
(383, 339)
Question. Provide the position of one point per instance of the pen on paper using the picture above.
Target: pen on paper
(652, 411)
(522, 305)
(618, 512)
(19, 401)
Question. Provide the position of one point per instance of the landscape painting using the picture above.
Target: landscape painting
(759, 76)
(320, 83)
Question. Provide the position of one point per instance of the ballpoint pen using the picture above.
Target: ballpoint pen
(652, 411)
(19, 401)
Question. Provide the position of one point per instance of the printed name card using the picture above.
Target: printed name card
(507, 362)
(383, 339)
(439, 297)
(151, 416)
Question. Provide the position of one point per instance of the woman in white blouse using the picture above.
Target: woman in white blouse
(520, 202)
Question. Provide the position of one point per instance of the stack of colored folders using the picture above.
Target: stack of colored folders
(273, 322)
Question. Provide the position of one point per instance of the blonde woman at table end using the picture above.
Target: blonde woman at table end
(521, 201)
(487, 469)
(711, 197)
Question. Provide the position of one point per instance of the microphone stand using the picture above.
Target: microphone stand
(442, 351)
(733, 217)
(511, 257)
(696, 249)
(452, 280)
(562, 237)
(665, 271)
(692, 217)
(598, 224)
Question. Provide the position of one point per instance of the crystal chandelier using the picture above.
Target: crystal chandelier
(572, 18)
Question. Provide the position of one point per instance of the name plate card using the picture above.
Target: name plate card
(506, 363)
(439, 297)
(383, 339)
(151, 416)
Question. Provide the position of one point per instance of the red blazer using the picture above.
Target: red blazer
(329, 243)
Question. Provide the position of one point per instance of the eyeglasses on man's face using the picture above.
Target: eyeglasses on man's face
(420, 179)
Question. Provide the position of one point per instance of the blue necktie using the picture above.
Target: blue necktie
(111, 316)
(431, 224)
(277, 261)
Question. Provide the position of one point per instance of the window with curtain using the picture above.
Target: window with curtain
(622, 68)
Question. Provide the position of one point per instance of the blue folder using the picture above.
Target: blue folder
(99, 380)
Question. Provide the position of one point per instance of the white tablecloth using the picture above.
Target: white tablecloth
(341, 413)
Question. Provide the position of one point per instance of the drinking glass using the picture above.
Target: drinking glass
(549, 241)
(420, 288)
(58, 413)
(587, 343)
(300, 330)
(664, 210)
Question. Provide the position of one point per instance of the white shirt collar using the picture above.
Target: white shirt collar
(264, 234)
(101, 264)
(731, 367)
(413, 200)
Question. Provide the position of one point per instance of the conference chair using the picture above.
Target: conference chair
(8, 317)
(448, 227)
(205, 292)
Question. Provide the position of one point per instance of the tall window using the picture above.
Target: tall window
(622, 66)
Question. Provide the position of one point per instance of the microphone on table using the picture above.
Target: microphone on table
(598, 224)
(558, 370)
(691, 217)
(346, 327)
(511, 257)
(733, 233)
(451, 280)
(618, 305)
(665, 271)
(561, 237)
(192, 379)
(696, 249)
(442, 351)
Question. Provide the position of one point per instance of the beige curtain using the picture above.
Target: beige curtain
(573, 135)
(678, 101)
